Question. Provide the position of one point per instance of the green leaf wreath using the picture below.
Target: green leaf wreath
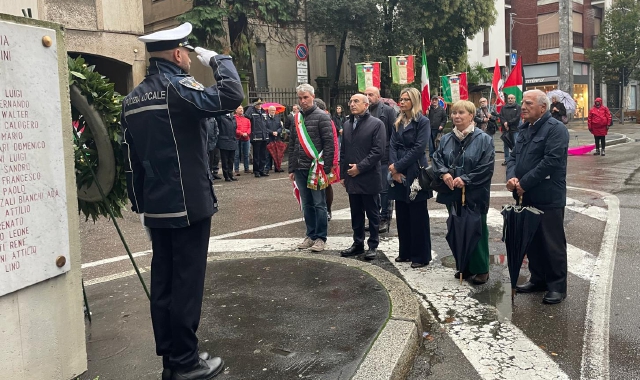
(99, 92)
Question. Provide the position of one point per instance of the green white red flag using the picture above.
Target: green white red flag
(454, 87)
(368, 74)
(424, 81)
(402, 69)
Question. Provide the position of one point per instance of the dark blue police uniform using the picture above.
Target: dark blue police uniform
(165, 149)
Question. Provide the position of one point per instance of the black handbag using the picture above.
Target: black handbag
(428, 178)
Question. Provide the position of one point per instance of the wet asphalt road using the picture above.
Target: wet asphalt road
(558, 330)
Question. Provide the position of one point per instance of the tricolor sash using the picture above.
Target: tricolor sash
(317, 179)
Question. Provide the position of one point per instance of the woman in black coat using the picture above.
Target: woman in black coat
(406, 154)
(472, 170)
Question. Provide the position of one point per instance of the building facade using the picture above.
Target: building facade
(104, 32)
(274, 63)
(536, 39)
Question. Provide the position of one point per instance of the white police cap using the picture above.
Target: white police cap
(168, 39)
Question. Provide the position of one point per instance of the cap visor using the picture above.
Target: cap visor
(189, 47)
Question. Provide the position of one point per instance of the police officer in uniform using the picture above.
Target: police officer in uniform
(168, 182)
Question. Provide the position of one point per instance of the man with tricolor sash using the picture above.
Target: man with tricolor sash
(311, 151)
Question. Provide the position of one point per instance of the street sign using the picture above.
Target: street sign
(302, 52)
(302, 79)
(514, 59)
(302, 64)
(302, 71)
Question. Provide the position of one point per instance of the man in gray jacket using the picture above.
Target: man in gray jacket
(315, 138)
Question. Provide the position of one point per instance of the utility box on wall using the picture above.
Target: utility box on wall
(41, 318)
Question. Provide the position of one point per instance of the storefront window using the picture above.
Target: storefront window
(581, 96)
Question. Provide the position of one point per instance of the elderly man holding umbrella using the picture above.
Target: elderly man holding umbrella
(537, 172)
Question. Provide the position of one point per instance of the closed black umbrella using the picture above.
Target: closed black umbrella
(519, 228)
(464, 230)
(506, 138)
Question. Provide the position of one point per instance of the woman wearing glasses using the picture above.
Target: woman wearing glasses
(471, 169)
(407, 153)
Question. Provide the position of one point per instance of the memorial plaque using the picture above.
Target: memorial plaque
(34, 228)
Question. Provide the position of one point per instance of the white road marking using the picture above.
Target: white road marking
(113, 259)
(595, 348)
(100, 280)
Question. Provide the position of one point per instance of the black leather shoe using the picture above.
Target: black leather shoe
(401, 260)
(465, 275)
(265, 174)
(530, 287)
(227, 179)
(166, 372)
(504, 163)
(553, 297)
(233, 179)
(257, 175)
(215, 176)
(204, 370)
(418, 265)
(370, 254)
(354, 250)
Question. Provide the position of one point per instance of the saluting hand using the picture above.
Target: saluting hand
(204, 55)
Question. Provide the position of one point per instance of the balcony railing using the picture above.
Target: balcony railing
(578, 40)
(552, 40)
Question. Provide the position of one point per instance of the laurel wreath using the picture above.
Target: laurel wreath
(99, 93)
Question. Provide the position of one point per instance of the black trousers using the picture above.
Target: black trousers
(214, 158)
(227, 157)
(600, 140)
(414, 231)
(548, 252)
(259, 156)
(362, 204)
(178, 267)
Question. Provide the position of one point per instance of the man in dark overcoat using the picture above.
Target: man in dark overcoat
(537, 172)
(363, 145)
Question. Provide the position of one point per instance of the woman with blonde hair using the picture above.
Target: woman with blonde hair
(465, 159)
(406, 154)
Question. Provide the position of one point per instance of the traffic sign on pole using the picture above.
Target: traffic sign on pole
(302, 52)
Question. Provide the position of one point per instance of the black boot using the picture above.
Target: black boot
(597, 152)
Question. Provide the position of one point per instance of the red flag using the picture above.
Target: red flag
(496, 85)
(464, 88)
(296, 193)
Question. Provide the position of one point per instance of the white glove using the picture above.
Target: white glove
(204, 55)
(146, 229)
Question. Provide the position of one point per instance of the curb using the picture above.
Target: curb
(617, 141)
(393, 351)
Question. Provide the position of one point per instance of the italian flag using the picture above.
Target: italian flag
(424, 80)
(402, 69)
(513, 84)
(454, 87)
(368, 75)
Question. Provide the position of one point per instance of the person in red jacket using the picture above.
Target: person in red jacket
(243, 133)
(599, 121)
